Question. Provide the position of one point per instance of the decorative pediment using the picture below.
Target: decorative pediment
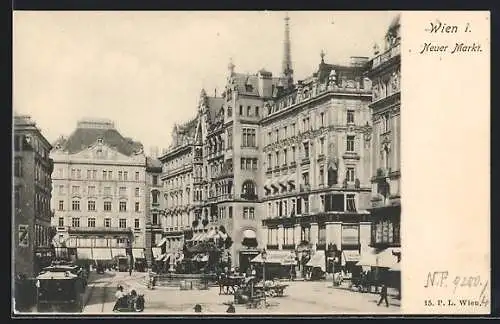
(101, 151)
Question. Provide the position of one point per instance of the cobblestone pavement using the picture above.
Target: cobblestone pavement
(301, 297)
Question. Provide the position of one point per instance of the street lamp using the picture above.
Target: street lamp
(264, 257)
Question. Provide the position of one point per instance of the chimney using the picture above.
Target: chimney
(265, 83)
(215, 92)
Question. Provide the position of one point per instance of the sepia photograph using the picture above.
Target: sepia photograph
(207, 162)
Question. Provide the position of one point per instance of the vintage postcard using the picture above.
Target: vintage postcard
(265, 162)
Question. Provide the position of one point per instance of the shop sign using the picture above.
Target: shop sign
(24, 236)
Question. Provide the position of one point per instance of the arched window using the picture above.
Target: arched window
(248, 190)
(332, 176)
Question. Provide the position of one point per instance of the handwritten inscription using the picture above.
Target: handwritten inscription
(465, 291)
(456, 47)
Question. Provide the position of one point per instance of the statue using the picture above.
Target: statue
(395, 81)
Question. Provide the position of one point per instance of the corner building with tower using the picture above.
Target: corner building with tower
(282, 165)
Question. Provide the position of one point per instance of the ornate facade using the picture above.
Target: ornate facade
(99, 193)
(385, 73)
(316, 162)
(277, 163)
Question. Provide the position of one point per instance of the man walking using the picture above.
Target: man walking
(383, 296)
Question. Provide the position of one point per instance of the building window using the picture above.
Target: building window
(269, 161)
(91, 205)
(123, 191)
(322, 146)
(306, 150)
(322, 119)
(91, 222)
(249, 111)
(248, 190)
(386, 123)
(136, 223)
(120, 175)
(351, 203)
(18, 167)
(155, 194)
(230, 212)
(241, 110)
(125, 176)
(350, 175)
(288, 238)
(248, 137)
(61, 221)
(229, 138)
(61, 189)
(137, 206)
(75, 222)
(137, 190)
(333, 202)
(350, 116)
(107, 222)
(123, 206)
(272, 236)
(321, 175)
(248, 213)
(155, 219)
(61, 204)
(350, 143)
(256, 111)
(137, 176)
(299, 206)
(104, 175)
(285, 153)
(122, 223)
(107, 206)
(75, 190)
(75, 205)
(155, 180)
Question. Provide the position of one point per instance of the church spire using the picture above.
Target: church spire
(287, 71)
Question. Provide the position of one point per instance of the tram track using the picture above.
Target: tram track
(105, 294)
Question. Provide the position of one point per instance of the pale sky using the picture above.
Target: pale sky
(145, 70)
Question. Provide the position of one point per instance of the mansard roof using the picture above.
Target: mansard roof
(86, 134)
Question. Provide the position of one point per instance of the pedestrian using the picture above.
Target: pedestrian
(119, 295)
(383, 296)
(231, 309)
(130, 271)
(197, 308)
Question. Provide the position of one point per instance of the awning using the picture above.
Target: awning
(249, 234)
(156, 252)
(138, 253)
(160, 257)
(199, 237)
(101, 254)
(350, 256)
(163, 241)
(318, 260)
(118, 252)
(276, 256)
(381, 259)
(84, 253)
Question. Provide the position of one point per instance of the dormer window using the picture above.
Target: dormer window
(99, 140)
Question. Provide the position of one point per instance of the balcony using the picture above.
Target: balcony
(321, 157)
(284, 167)
(386, 56)
(288, 246)
(351, 156)
(269, 170)
(305, 187)
(305, 161)
(272, 246)
(293, 164)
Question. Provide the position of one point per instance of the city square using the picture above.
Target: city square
(300, 296)
(273, 183)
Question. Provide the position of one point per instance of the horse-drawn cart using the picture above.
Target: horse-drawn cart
(271, 288)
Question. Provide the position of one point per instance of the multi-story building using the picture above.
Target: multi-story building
(99, 193)
(278, 163)
(316, 163)
(153, 204)
(32, 195)
(385, 73)
(177, 216)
